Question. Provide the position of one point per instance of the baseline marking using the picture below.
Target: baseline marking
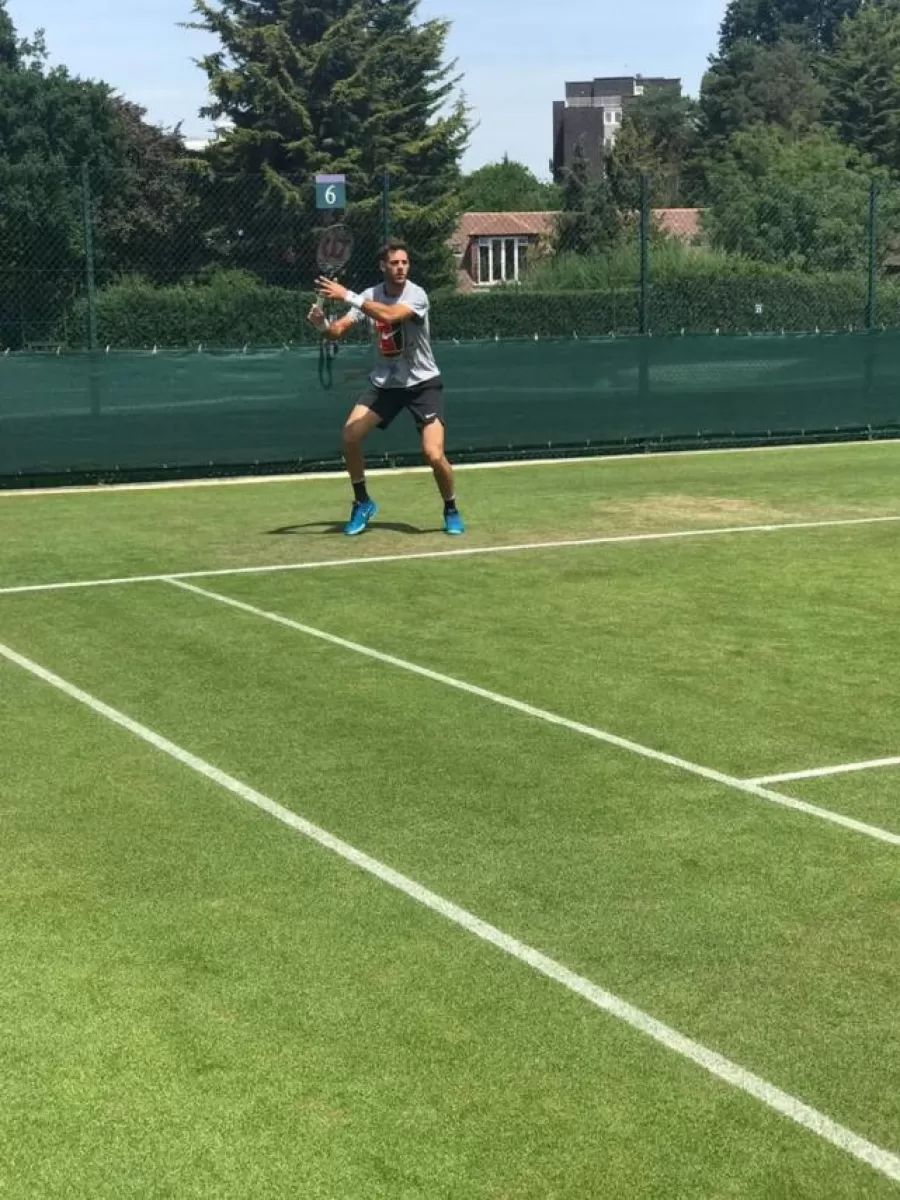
(498, 464)
(459, 552)
(884, 1161)
(600, 735)
(822, 772)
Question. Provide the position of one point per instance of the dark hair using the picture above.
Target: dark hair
(391, 247)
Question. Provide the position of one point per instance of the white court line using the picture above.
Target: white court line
(598, 460)
(822, 772)
(620, 539)
(881, 1160)
(504, 463)
(600, 735)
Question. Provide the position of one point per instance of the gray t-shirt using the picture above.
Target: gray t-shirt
(403, 354)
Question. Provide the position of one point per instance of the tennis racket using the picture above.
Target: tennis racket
(335, 245)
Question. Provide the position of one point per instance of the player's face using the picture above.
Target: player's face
(396, 267)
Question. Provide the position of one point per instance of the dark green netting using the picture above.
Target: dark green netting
(71, 417)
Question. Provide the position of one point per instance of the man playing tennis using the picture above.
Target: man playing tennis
(405, 376)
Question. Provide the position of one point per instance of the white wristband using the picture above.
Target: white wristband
(354, 300)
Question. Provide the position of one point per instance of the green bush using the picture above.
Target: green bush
(227, 308)
(761, 299)
(511, 313)
(696, 292)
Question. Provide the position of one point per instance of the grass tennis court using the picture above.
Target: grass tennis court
(410, 868)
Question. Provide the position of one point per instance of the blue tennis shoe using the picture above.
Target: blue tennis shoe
(360, 516)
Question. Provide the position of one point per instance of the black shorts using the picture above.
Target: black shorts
(425, 401)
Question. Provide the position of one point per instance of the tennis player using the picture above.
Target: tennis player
(405, 376)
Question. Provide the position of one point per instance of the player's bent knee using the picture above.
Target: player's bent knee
(353, 433)
(433, 444)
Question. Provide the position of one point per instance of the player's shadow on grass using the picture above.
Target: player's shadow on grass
(330, 528)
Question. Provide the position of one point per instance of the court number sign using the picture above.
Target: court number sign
(331, 191)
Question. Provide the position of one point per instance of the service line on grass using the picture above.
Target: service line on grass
(884, 1161)
(457, 552)
(824, 772)
(600, 735)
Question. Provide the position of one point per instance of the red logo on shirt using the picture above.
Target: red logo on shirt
(390, 339)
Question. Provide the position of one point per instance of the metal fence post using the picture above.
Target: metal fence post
(89, 258)
(872, 307)
(644, 341)
(871, 346)
(644, 319)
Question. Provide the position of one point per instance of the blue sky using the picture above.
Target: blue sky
(514, 55)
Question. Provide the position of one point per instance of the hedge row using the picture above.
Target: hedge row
(238, 310)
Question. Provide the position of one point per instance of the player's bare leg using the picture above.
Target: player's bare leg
(433, 450)
(358, 425)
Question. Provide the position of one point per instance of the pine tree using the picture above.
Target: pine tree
(355, 87)
(764, 22)
(658, 138)
(589, 221)
(9, 42)
(753, 83)
(863, 85)
(768, 70)
(17, 53)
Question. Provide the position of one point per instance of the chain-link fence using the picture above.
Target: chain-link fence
(188, 259)
(132, 260)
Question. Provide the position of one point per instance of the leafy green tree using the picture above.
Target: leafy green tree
(658, 138)
(752, 83)
(863, 83)
(802, 202)
(773, 67)
(357, 87)
(50, 123)
(589, 221)
(147, 213)
(53, 126)
(765, 22)
(9, 42)
(15, 51)
(507, 186)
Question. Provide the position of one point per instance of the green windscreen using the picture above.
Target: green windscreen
(70, 417)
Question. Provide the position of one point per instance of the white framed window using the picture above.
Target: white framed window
(619, 116)
(501, 259)
(608, 117)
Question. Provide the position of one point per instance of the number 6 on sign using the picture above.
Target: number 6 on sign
(331, 191)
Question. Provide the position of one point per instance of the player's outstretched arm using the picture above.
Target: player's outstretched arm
(394, 313)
